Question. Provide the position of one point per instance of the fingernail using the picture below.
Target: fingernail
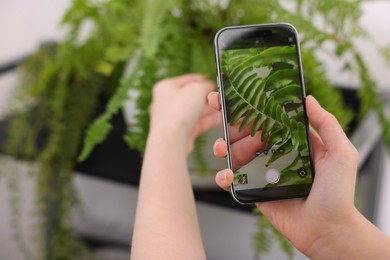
(225, 173)
(216, 143)
(224, 180)
(222, 176)
(208, 95)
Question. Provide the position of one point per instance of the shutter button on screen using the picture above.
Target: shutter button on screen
(272, 176)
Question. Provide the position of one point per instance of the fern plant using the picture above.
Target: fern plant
(263, 93)
(132, 44)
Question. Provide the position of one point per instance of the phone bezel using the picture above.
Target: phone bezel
(272, 193)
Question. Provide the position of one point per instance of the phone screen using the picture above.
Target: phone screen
(264, 113)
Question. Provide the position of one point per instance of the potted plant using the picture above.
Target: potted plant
(117, 50)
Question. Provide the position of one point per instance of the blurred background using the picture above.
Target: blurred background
(55, 80)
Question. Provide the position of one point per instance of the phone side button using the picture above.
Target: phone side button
(220, 99)
(218, 84)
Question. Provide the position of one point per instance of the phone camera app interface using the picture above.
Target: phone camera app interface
(264, 110)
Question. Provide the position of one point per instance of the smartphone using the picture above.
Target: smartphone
(261, 86)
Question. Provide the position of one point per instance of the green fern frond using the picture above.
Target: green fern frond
(262, 239)
(370, 98)
(200, 162)
(329, 97)
(284, 244)
(155, 12)
(265, 235)
(262, 100)
(99, 129)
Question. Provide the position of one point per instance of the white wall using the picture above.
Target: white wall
(24, 24)
(375, 20)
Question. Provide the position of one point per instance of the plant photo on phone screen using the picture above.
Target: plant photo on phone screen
(263, 98)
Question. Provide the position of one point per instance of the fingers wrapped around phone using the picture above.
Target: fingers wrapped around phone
(243, 146)
(224, 179)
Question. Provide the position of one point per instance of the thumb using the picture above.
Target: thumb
(327, 126)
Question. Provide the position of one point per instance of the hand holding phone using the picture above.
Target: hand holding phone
(262, 92)
(317, 224)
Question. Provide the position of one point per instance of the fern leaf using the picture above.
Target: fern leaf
(259, 102)
(201, 163)
(287, 94)
(249, 118)
(255, 94)
(285, 147)
(261, 238)
(275, 136)
(257, 123)
(155, 12)
(267, 127)
(294, 133)
(281, 78)
(238, 113)
(303, 145)
(99, 129)
(292, 165)
(284, 243)
(272, 55)
(96, 134)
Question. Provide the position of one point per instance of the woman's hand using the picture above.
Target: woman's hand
(179, 106)
(166, 224)
(329, 209)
